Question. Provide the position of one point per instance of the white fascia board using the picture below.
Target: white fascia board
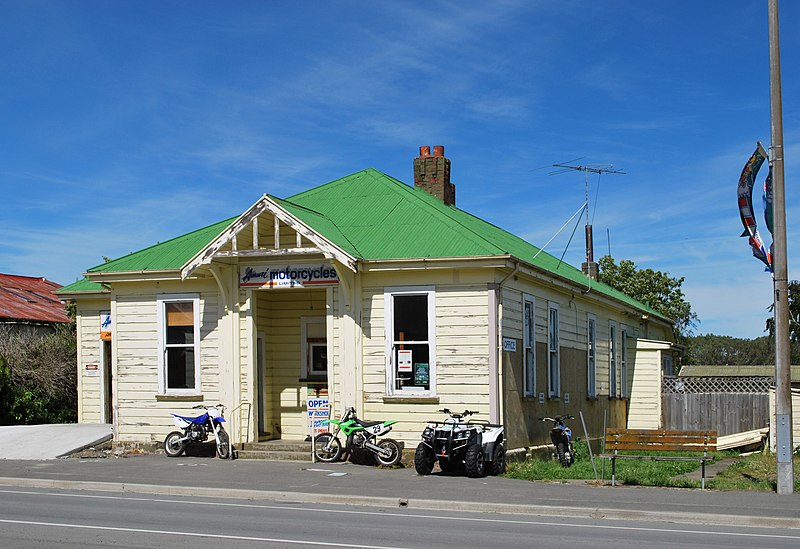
(133, 276)
(423, 264)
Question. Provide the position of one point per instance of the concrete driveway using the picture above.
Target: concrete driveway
(50, 441)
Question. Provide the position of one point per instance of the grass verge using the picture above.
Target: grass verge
(756, 472)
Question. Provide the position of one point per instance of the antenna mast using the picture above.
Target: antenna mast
(590, 268)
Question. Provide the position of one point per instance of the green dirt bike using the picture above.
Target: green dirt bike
(359, 434)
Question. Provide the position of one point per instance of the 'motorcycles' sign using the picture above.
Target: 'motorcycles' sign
(288, 276)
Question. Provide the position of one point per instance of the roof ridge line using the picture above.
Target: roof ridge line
(331, 221)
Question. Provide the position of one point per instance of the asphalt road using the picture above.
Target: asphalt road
(65, 518)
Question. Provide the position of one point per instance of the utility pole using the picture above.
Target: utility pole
(590, 267)
(783, 396)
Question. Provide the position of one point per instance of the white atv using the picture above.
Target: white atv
(475, 446)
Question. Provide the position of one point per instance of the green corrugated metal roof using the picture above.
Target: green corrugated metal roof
(165, 256)
(384, 218)
(83, 285)
(373, 216)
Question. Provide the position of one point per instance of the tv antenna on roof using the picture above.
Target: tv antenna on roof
(590, 267)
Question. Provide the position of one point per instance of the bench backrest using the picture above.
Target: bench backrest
(660, 440)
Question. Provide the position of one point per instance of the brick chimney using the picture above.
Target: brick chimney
(432, 173)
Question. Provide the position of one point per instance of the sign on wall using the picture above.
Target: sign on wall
(288, 276)
(106, 328)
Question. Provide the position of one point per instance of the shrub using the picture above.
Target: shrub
(38, 376)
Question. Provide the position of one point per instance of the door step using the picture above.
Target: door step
(276, 450)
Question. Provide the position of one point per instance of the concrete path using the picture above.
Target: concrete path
(50, 441)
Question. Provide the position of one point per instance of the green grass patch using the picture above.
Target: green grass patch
(630, 472)
(756, 472)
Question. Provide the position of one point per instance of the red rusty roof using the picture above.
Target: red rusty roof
(31, 299)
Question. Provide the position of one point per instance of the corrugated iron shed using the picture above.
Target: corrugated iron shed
(30, 299)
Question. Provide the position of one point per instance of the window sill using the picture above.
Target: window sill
(410, 399)
(179, 398)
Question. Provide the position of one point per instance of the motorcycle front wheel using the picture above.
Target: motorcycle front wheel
(327, 447)
(223, 446)
(174, 445)
(394, 453)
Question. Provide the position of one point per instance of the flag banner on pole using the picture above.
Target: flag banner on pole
(768, 217)
(745, 195)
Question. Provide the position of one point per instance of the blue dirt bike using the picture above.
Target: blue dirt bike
(197, 430)
(561, 436)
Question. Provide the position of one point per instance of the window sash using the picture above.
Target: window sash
(623, 363)
(554, 358)
(179, 344)
(529, 345)
(612, 359)
(418, 337)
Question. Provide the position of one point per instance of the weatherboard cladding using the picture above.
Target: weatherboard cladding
(373, 217)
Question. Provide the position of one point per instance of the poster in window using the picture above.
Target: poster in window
(404, 363)
(421, 373)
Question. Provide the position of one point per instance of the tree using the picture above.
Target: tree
(713, 349)
(656, 289)
(794, 322)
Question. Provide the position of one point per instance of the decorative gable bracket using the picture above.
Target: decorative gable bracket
(267, 230)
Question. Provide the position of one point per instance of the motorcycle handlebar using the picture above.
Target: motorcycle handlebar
(556, 419)
(465, 413)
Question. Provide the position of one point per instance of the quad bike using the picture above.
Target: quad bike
(475, 446)
(561, 436)
(359, 434)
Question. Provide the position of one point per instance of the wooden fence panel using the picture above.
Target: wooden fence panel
(726, 413)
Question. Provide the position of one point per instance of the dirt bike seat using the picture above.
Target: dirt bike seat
(368, 423)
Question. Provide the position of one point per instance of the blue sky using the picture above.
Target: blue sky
(129, 123)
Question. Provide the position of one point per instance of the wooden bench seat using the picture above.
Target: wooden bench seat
(659, 441)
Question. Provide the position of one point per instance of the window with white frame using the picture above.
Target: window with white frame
(553, 354)
(612, 359)
(529, 344)
(623, 362)
(410, 340)
(313, 349)
(591, 355)
(179, 344)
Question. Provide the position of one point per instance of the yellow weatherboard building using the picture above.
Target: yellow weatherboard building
(369, 293)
